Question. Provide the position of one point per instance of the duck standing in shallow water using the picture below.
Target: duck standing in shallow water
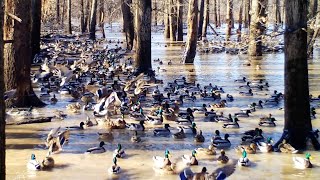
(285, 147)
(223, 158)
(33, 164)
(199, 137)
(302, 163)
(119, 152)
(114, 169)
(97, 150)
(162, 131)
(160, 162)
(244, 161)
(190, 160)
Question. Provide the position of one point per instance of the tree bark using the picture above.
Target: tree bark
(155, 13)
(229, 18)
(166, 19)
(36, 27)
(69, 28)
(173, 20)
(312, 11)
(205, 20)
(276, 9)
(297, 108)
(128, 22)
(22, 55)
(82, 23)
(101, 18)
(63, 13)
(215, 15)
(2, 104)
(87, 15)
(312, 29)
(192, 38)
(240, 21)
(143, 36)
(246, 13)
(58, 11)
(219, 14)
(93, 20)
(200, 18)
(180, 20)
(257, 27)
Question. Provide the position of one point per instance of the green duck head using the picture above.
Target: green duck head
(166, 154)
(119, 147)
(269, 140)
(194, 153)
(33, 157)
(308, 156)
(193, 125)
(115, 160)
(244, 153)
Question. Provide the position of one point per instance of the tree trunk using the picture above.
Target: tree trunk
(143, 36)
(240, 21)
(191, 47)
(22, 55)
(36, 27)
(173, 20)
(257, 27)
(215, 15)
(200, 18)
(155, 13)
(93, 20)
(87, 15)
(128, 22)
(297, 124)
(58, 11)
(312, 29)
(205, 20)
(63, 13)
(276, 9)
(101, 13)
(219, 14)
(82, 22)
(246, 13)
(2, 105)
(69, 28)
(166, 19)
(312, 11)
(229, 19)
(180, 20)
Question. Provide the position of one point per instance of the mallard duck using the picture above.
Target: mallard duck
(106, 135)
(242, 114)
(242, 80)
(115, 169)
(186, 121)
(233, 124)
(190, 160)
(230, 97)
(285, 147)
(180, 134)
(80, 127)
(97, 150)
(216, 136)
(162, 131)
(188, 174)
(253, 135)
(199, 137)
(54, 99)
(223, 119)
(302, 163)
(244, 161)
(251, 149)
(74, 107)
(222, 143)
(33, 164)
(249, 93)
(119, 152)
(265, 147)
(47, 162)
(223, 158)
(206, 151)
(267, 121)
(135, 138)
(189, 129)
(154, 120)
(136, 127)
(160, 162)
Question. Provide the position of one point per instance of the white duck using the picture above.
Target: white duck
(244, 161)
(33, 164)
(160, 162)
(302, 163)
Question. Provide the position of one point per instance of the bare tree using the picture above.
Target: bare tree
(229, 18)
(276, 9)
(142, 25)
(205, 20)
(180, 20)
(128, 22)
(2, 105)
(36, 27)
(257, 27)
(155, 5)
(166, 18)
(247, 13)
(191, 47)
(215, 14)
(200, 18)
(240, 21)
(58, 11)
(69, 28)
(173, 20)
(82, 22)
(93, 20)
(297, 125)
(219, 15)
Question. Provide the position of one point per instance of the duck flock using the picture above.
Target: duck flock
(103, 85)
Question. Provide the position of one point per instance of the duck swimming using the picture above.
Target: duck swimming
(48, 162)
(302, 163)
(244, 161)
(119, 152)
(189, 129)
(267, 121)
(216, 136)
(190, 160)
(180, 134)
(223, 158)
(115, 169)
(249, 93)
(136, 127)
(265, 146)
(160, 162)
(251, 149)
(80, 127)
(97, 150)
(206, 151)
(285, 147)
(242, 114)
(162, 131)
(222, 143)
(233, 125)
(33, 164)
(199, 137)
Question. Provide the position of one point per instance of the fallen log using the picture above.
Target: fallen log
(31, 121)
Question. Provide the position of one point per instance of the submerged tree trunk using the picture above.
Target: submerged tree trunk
(180, 20)
(101, 18)
(128, 22)
(191, 47)
(297, 126)
(155, 13)
(215, 15)
(219, 14)
(58, 11)
(69, 28)
(229, 19)
(143, 36)
(200, 18)
(82, 23)
(173, 20)
(2, 105)
(166, 19)
(205, 20)
(36, 27)
(21, 55)
(246, 13)
(240, 21)
(276, 9)
(257, 27)
(63, 13)
(86, 15)
(93, 20)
